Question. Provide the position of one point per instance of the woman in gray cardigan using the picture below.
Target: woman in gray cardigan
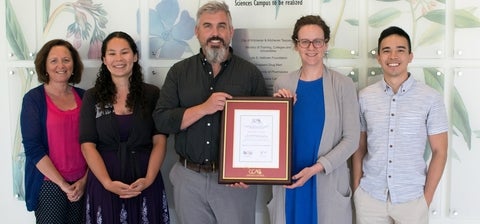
(326, 132)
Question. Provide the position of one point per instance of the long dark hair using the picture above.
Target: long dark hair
(105, 89)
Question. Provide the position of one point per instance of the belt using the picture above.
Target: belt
(205, 168)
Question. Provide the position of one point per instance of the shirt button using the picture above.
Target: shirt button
(389, 176)
(393, 100)
(391, 130)
(211, 88)
(209, 124)
(392, 114)
(208, 142)
(391, 146)
(390, 161)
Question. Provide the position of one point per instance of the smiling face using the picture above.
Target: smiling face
(311, 55)
(119, 57)
(59, 64)
(214, 32)
(394, 57)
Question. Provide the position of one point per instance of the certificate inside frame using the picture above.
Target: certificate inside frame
(255, 141)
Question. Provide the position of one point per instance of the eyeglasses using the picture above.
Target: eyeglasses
(317, 43)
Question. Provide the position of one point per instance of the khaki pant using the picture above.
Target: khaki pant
(370, 210)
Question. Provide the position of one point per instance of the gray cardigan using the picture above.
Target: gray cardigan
(340, 139)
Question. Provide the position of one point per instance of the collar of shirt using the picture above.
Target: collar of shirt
(405, 87)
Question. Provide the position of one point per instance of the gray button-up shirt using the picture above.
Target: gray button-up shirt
(190, 82)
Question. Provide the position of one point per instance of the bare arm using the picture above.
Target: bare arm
(154, 163)
(439, 146)
(357, 160)
(47, 168)
(216, 102)
(156, 157)
(95, 162)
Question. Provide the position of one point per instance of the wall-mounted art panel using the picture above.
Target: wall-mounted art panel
(466, 17)
(153, 75)
(156, 75)
(465, 145)
(86, 23)
(20, 81)
(342, 18)
(423, 20)
(432, 76)
(88, 77)
(268, 13)
(21, 29)
(171, 25)
(171, 22)
(353, 73)
(271, 50)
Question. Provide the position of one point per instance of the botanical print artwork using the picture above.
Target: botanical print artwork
(81, 28)
(462, 123)
(23, 80)
(464, 189)
(170, 29)
(342, 18)
(427, 18)
(88, 23)
(18, 45)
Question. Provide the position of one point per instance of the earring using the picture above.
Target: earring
(72, 74)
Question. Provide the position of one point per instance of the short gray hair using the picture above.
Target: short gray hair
(213, 7)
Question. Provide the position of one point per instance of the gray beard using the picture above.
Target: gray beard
(216, 55)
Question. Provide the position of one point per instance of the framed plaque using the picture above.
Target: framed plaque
(256, 141)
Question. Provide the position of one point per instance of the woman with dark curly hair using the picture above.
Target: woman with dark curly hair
(55, 170)
(119, 141)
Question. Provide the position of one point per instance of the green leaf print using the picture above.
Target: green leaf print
(340, 53)
(436, 16)
(14, 33)
(432, 34)
(466, 19)
(46, 12)
(460, 119)
(383, 17)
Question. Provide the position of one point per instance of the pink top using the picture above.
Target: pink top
(63, 143)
